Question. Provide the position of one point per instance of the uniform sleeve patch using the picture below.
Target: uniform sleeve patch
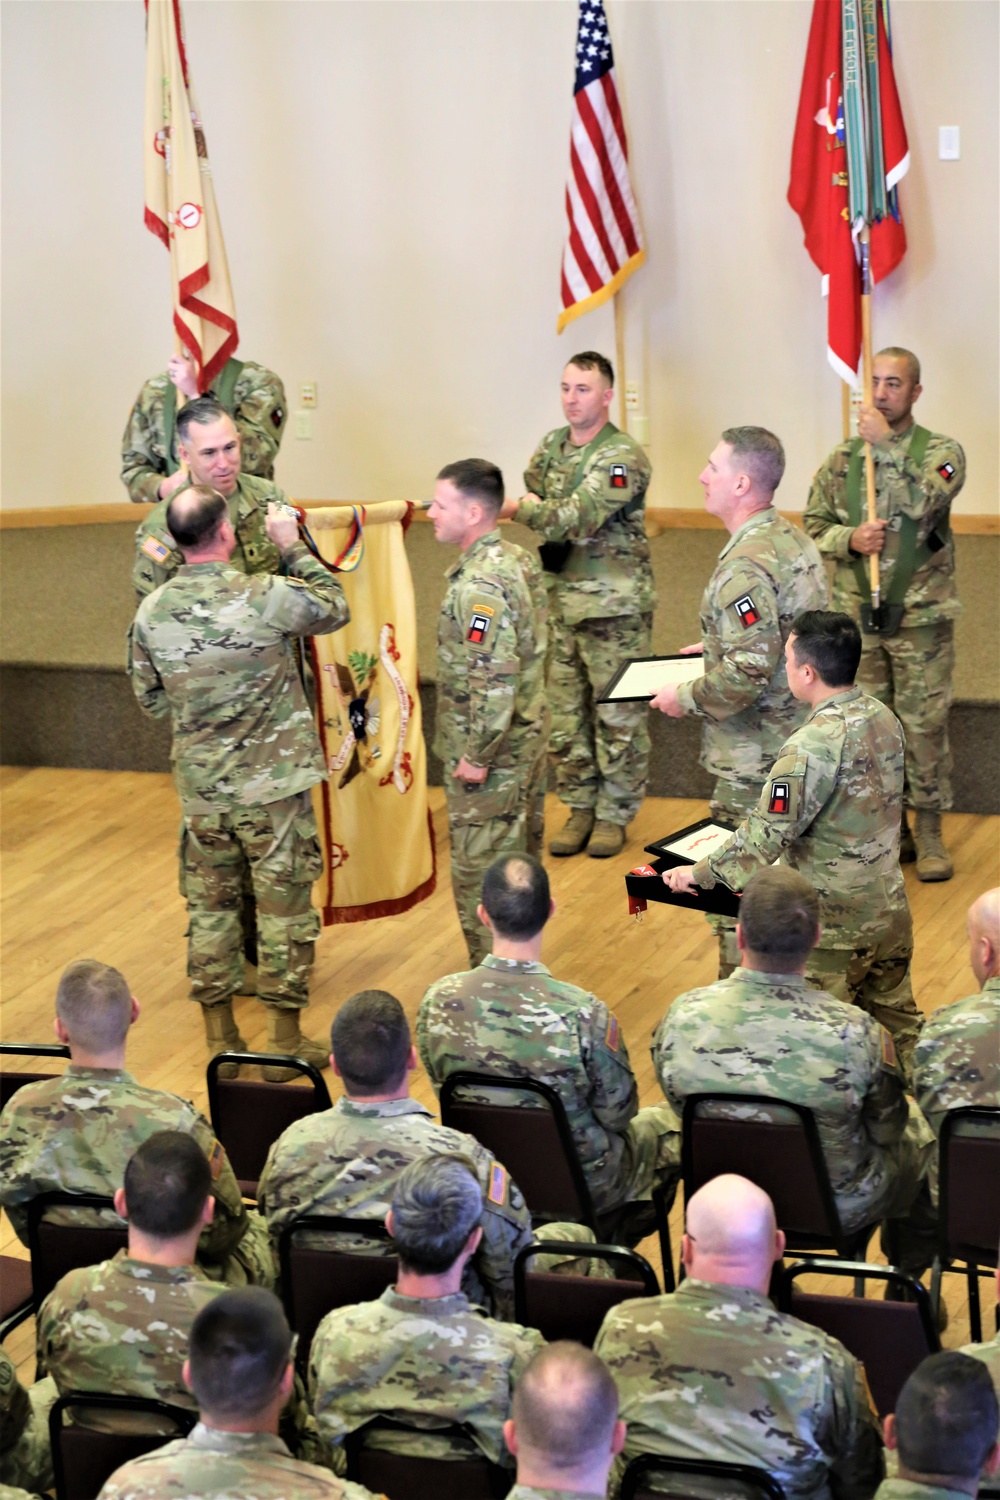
(498, 1184)
(216, 1160)
(278, 416)
(613, 1033)
(155, 549)
(780, 800)
(947, 472)
(618, 475)
(480, 620)
(746, 611)
(889, 1059)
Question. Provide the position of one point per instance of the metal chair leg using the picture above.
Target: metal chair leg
(937, 1270)
(975, 1313)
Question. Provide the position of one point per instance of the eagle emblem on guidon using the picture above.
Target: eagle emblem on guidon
(359, 714)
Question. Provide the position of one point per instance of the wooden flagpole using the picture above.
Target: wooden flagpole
(866, 388)
(620, 360)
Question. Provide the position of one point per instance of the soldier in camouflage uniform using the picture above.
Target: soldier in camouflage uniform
(763, 1030)
(957, 1059)
(586, 495)
(989, 1352)
(768, 572)
(511, 1017)
(25, 1452)
(713, 1371)
(346, 1160)
(944, 1433)
(422, 1353)
(152, 463)
(240, 1369)
(830, 809)
(491, 715)
(76, 1133)
(213, 648)
(564, 1428)
(917, 476)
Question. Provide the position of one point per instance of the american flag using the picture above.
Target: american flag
(604, 243)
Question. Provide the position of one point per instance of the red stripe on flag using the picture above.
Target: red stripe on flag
(577, 249)
(593, 208)
(156, 226)
(180, 41)
(617, 204)
(615, 111)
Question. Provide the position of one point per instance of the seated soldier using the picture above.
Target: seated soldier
(765, 1030)
(239, 1367)
(76, 1133)
(989, 1352)
(509, 1016)
(564, 1428)
(25, 1452)
(944, 1431)
(346, 1161)
(713, 1371)
(421, 1352)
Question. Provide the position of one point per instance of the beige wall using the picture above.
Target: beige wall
(390, 176)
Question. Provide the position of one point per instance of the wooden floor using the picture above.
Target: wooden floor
(89, 870)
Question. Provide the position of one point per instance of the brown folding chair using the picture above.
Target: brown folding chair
(83, 1459)
(968, 1202)
(889, 1338)
(782, 1156)
(650, 1477)
(574, 1307)
(401, 1476)
(58, 1248)
(249, 1116)
(15, 1274)
(315, 1281)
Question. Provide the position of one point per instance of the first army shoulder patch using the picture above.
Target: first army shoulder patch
(498, 1184)
(947, 472)
(618, 474)
(480, 620)
(746, 611)
(780, 800)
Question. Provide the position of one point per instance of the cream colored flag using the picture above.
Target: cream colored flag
(180, 198)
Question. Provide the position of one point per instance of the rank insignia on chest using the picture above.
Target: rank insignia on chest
(479, 625)
(747, 611)
(947, 472)
(619, 476)
(498, 1184)
(155, 549)
(780, 798)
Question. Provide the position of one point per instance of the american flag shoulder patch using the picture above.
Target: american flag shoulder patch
(216, 1160)
(780, 800)
(746, 611)
(889, 1059)
(613, 1033)
(155, 549)
(498, 1184)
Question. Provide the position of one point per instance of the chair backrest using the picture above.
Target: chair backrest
(249, 1116)
(535, 1145)
(316, 1280)
(58, 1248)
(650, 1476)
(783, 1156)
(11, 1080)
(890, 1338)
(83, 1459)
(563, 1306)
(401, 1476)
(969, 1170)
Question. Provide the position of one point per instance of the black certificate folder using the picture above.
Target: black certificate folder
(685, 847)
(640, 678)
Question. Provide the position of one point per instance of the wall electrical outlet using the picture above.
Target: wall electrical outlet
(307, 393)
(303, 425)
(631, 395)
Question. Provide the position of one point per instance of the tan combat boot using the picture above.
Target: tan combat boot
(606, 840)
(283, 1035)
(907, 848)
(573, 837)
(933, 860)
(223, 1035)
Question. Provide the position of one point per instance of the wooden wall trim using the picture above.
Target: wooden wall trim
(659, 519)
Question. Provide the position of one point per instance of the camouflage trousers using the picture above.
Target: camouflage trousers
(909, 1238)
(26, 1464)
(599, 752)
(278, 844)
(911, 673)
(732, 798)
(876, 977)
(487, 819)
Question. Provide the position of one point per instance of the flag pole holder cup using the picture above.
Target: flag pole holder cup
(643, 884)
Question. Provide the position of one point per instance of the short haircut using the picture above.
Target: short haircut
(760, 453)
(828, 642)
(194, 516)
(476, 479)
(166, 1184)
(591, 360)
(779, 917)
(947, 1416)
(912, 362)
(201, 412)
(94, 1003)
(239, 1349)
(565, 1405)
(436, 1205)
(370, 1041)
(516, 896)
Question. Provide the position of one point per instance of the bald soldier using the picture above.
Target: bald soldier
(909, 666)
(713, 1371)
(564, 1428)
